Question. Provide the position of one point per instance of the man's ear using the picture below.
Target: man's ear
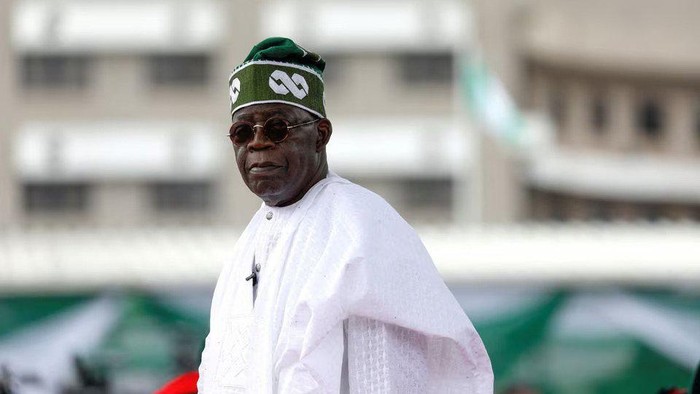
(324, 129)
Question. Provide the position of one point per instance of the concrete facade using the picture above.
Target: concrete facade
(52, 176)
(8, 193)
(619, 81)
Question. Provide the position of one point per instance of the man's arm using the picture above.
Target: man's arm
(385, 358)
(319, 370)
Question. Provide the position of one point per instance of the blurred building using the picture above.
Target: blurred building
(115, 112)
(619, 81)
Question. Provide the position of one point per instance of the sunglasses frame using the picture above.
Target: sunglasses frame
(252, 125)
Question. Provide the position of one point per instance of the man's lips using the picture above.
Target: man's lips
(261, 168)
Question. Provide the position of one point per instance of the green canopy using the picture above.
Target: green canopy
(564, 342)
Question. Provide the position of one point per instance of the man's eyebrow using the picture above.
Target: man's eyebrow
(276, 112)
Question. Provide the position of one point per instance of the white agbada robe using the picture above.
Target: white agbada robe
(348, 300)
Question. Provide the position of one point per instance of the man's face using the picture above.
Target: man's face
(281, 173)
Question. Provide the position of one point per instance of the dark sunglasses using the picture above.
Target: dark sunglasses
(274, 129)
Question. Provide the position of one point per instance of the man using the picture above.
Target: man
(329, 289)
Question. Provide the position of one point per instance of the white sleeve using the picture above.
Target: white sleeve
(319, 371)
(385, 358)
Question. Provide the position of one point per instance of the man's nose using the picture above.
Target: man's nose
(259, 140)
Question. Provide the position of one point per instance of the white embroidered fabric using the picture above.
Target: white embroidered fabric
(340, 266)
(383, 358)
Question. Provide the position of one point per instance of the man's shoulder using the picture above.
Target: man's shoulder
(346, 215)
(345, 194)
(355, 207)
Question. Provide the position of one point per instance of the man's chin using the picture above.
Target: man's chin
(276, 198)
(267, 190)
(274, 192)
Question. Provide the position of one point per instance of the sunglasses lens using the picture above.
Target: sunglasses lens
(276, 129)
(241, 133)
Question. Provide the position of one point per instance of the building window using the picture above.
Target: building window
(55, 71)
(650, 118)
(600, 211)
(599, 113)
(426, 68)
(179, 69)
(181, 196)
(557, 209)
(557, 107)
(653, 212)
(48, 197)
(428, 193)
(697, 121)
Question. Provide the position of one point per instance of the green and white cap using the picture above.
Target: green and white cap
(277, 70)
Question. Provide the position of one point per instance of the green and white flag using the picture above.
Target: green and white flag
(490, 103)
